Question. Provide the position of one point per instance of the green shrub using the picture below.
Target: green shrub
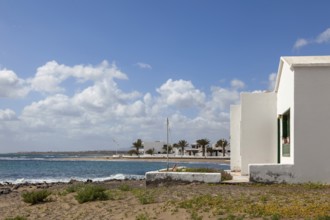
(199, 170)
(145, 196)
(142, 216)
(35, 196)
(74, 187)
(124, 187)
(91, 193)
(314, 185)
(225, 176)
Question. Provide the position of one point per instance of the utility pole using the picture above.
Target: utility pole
(167, 143)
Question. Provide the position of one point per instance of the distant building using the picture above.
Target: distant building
(156, 146)
(283, 135)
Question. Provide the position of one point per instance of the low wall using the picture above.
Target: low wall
(169, 178)
(272, 173)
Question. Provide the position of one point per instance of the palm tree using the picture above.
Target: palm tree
(210, 150)
(150, 151)
(203, 142)
(170, 148)
(137, 145)
(223, 143)
(182, 144)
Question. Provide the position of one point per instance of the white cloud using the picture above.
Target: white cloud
(7, 115)
(272, 81)
(180, 94)
(101, 110)
(323, 37)
(237, 84)
(300, 43)
(144, 65)
(49, 77)
(11, 86)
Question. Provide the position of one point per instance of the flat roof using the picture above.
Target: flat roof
(307, 61)
(301, 61)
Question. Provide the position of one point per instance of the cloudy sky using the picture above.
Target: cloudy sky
(97, 75)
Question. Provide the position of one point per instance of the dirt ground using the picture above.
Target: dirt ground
(132, 200)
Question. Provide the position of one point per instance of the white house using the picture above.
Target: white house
(284, 135)
(156, 146)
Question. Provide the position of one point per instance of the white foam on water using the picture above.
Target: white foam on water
(66, 180)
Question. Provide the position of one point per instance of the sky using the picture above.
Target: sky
(99, 74)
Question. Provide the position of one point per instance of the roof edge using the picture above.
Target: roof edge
(279, 74)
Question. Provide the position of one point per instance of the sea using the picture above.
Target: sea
(39, 168)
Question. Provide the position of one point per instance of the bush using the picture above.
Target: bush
(74, 187)
(35, 196)
(91, 193)
(142, 216)
(225, 175)
(144, 196)
(124, 187)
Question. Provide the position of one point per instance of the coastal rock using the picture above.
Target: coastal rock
(5, 191)
(72, 181)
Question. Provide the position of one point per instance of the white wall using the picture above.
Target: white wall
(305, 91)
(312, 123)
(157, 145)
(285, 102)
(235, 155)
(258, 136)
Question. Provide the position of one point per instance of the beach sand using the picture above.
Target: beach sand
(220, 201)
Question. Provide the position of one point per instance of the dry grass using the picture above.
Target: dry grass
(130, 200)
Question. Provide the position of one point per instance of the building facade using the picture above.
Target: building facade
(283, 135)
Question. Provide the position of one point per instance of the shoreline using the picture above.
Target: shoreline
(149, 159)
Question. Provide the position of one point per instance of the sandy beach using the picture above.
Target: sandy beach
(192, 201)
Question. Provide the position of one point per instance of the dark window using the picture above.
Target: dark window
(286, 134)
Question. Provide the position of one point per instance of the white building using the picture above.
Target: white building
(283, 136)
(156, 146)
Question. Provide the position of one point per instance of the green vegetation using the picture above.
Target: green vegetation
(89, 193)
(273, 204)
(151, 151)
(223, 143)
(35, 197)
(142, 216)
(204, 143)
(182, 144)
(225, 175)
(144, 196)
(137, 145)
(74, 187)
(124, 187)
(311, 185)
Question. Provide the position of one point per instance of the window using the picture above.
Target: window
(286, 134)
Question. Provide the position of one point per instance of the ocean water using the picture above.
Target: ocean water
(50, 168)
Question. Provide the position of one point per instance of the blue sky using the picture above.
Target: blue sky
(74, 75)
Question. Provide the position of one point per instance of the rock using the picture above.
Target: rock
(16, 186)
(72, 181)
(5, 191)
(89, 181)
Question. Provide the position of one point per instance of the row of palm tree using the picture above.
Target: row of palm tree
(204, 143)
(182, 144)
